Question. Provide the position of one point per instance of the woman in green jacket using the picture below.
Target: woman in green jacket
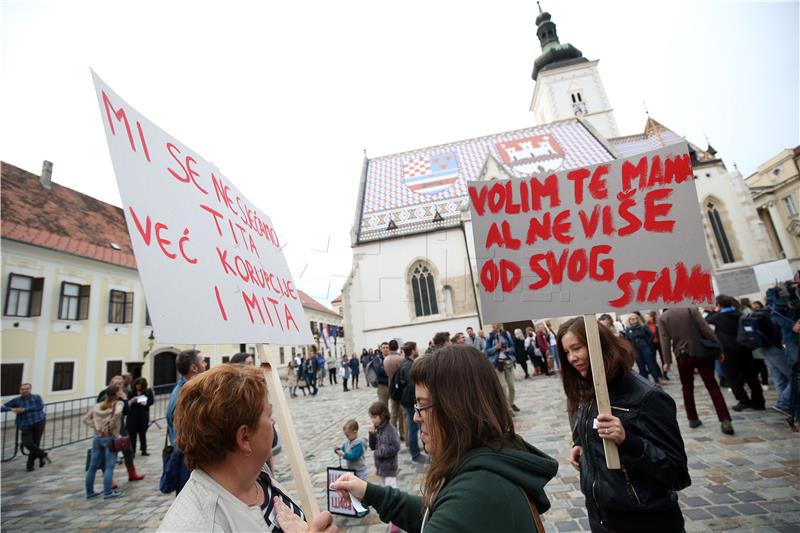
(482, 476)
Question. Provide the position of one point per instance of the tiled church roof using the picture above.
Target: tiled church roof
(407, 190)
(62, 219)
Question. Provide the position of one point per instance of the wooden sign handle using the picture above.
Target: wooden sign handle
(600, 385)
(280, 411)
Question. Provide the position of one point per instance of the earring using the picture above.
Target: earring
(249, 453)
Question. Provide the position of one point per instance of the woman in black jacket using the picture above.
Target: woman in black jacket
(641, 495)
(139, 417)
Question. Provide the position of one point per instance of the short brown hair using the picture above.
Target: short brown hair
(350, 425)
(215, 405)
(379, 409)
(618, 358)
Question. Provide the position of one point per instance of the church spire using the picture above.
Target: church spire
(554, 54)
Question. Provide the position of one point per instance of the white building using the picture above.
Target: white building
(413, 270)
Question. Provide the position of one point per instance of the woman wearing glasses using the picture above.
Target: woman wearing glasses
(482, 476)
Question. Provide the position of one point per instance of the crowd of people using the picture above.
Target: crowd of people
(457, 398)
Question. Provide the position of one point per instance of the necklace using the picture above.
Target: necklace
(257, 498)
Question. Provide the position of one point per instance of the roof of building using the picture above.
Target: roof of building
(62, 219)
(426, 189)
(311, 303)
(337, 299)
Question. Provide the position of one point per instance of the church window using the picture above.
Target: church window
(721, 238)
(423, 291)
(791, 207)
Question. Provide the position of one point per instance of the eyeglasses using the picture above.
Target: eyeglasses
(421, 409)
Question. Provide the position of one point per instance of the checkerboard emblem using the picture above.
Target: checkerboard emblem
(532, 155)
(431, 174)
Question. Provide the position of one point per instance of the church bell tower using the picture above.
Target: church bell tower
(568, 84)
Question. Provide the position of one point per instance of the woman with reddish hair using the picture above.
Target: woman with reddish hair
(641, 496)
(482, 476)
(223, 427)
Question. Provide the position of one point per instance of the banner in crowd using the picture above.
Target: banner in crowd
(622, 235)
(209, 259)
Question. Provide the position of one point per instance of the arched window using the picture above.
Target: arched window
(423, 290)
(723, 245)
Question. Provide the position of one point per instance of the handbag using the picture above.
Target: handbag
(100, 466)
(119, 444)
(170, 474)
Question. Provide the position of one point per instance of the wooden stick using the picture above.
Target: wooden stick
(280, 411)
(600, 385)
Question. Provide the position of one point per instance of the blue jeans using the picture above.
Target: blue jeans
(779, 370)
(646, 361)
(413, 433)
(100, 446)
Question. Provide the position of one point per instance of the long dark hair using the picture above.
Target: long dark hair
(618, 358)
(469, 410)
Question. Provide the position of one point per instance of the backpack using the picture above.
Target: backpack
(371, 374)
(757, 331)
(396, 386)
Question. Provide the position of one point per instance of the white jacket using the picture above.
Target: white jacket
(205, 505)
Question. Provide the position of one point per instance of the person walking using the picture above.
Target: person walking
(543, 344)
(680, 331)
(738, 363)
(407, 400)
(553, 345)
(642, 495)
(650, 322)
(474, 340)
(105, 418)
(139, 417)
(783, 318)
(30, 421)
(383, 379)
(500, 350)
(312, 369)
(641, 339)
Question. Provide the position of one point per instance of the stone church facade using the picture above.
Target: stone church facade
(413, 270)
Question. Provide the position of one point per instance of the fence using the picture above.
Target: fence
(64, 425)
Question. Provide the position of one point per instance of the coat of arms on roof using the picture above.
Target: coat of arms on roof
(532, 155)
(431, 174)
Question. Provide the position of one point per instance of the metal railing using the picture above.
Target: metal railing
(64, 425)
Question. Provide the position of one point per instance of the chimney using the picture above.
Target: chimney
(47, 174)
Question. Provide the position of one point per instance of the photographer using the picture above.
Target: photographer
(500, 349)
(784, 310)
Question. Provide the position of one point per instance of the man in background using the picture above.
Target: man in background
(31, 419)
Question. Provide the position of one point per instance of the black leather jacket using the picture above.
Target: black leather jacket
(641, 496)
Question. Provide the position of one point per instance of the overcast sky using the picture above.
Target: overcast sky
(284, 96)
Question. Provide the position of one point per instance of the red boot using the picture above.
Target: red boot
(132, 475)
(114, 485)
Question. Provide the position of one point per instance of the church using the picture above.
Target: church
(414, 270)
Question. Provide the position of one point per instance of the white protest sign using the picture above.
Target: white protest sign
(346, 506)
(622, 235)
(210, 261)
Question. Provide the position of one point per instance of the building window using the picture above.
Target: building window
(73, 303)
(10, 378)
(423, 291)
(113, 368)
(723, 245)
(578, 104)
(62, 376)
(208, 362)
(294, 352)
(225, 359)
(282, 353)
(120, 307)
(24, 295)
(791, 206)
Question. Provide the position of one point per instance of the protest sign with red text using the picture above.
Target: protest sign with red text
(210, 261)
(618, 236)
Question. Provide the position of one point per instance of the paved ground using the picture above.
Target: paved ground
(747, 482)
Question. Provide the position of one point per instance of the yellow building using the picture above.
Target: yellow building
(74, 312)
(775, 188)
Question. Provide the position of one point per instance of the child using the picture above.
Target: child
(353, 450)
(385, 441)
